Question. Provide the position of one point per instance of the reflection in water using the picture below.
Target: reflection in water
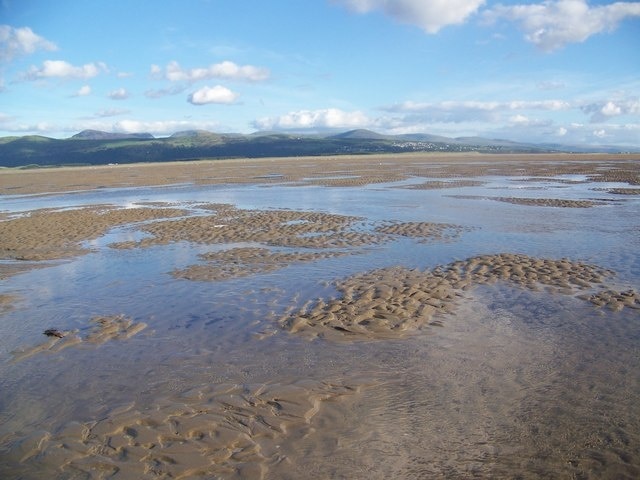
(514, 383)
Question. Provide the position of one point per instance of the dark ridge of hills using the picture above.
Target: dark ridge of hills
(489, 141)
(427, 137)
(100, 135)
(361, 134)
(194, 134)
(92, 147)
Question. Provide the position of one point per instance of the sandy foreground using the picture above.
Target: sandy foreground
(237, 431)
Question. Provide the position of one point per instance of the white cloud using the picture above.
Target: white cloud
(601, 133)
(465, 111)
(160, 127)
(21, 41)
(520, 120)
(224, 70)
(315, 119)
(430, 15)
(553, 24)
(602, 111)
(23, 128)
(119, 94)
(83, 91)
(217, 94)
(63, 69)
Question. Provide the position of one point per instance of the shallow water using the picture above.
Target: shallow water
(515, 383)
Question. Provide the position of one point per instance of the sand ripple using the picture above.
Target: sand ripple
(440, 184)
(393, 302)
(615, 300)
(423, 230)
(549, 202)
(242, 262)
(104, 328)
(53, 234)
(218, 431)
(280, 228)
(624, 191)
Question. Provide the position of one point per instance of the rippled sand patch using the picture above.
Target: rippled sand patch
(281, 228)
(55, 234)
(615, 300)
(538, 202)
(549, 202)
(213, 431)
(104, 329)
(393, 302)
(624, 191)
(425, 231)
(242, 262)
(441, 184)
(355, 181)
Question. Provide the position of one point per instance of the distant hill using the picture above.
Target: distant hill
(99, 135)
(361, 134)
(92, 147)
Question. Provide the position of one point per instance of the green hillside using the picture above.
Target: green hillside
(95, 148)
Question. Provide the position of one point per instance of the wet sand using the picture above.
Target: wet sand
(487, 413)
(47, 234)
(329, 171)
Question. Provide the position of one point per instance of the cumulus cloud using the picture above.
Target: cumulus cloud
(15, 42)
(217, 94)
(63, 69)
(118, 94)
(430, 15)
(314, 119)
(520, 120)
(464, 111)
(552, 24)
(160, 127)
(603, 111)
(25, 128)
(83, 91)
(600, 133)
(225, 70)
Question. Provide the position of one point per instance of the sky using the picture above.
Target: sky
(552, 71)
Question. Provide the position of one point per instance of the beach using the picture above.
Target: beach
(375, 316)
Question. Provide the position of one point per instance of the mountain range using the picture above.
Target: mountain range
(93, 147)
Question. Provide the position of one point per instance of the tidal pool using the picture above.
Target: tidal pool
(517, 369)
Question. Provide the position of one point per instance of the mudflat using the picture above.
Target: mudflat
(345, 170)
(351, 316)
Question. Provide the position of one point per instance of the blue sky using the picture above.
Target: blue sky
(565, 71)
